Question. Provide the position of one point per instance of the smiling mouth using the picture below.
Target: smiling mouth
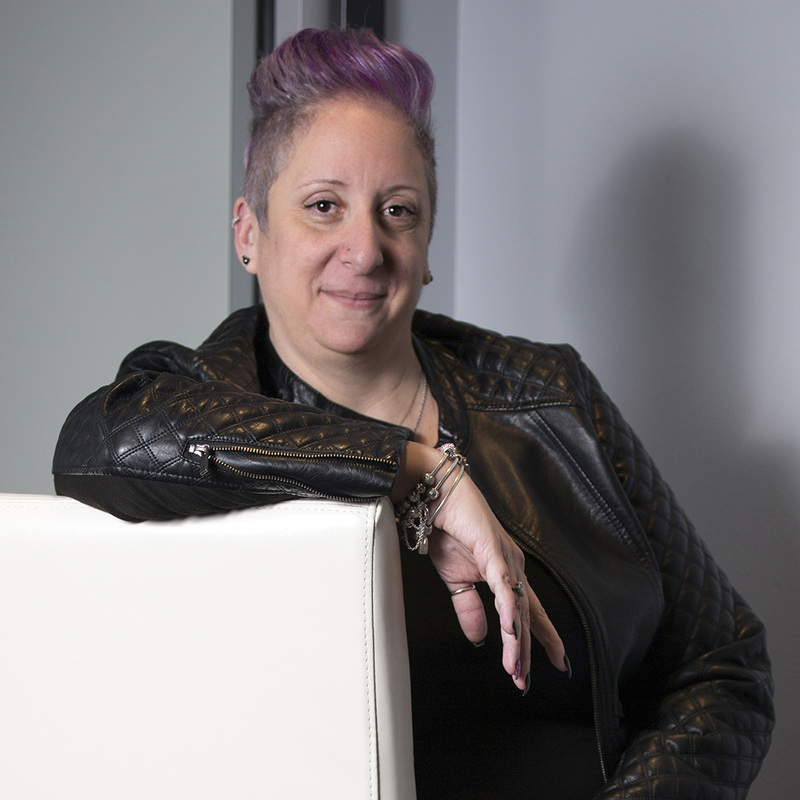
(355, 299)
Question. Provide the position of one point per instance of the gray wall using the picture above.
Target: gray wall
(114, 211)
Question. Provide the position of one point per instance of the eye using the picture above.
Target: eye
(400, 216)
(399, 211)
(322, 206)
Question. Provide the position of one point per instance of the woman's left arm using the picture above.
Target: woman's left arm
(704, 695)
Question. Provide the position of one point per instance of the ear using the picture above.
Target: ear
(245, 234)
(427, 276)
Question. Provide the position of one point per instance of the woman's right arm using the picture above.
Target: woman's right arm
(170, 441)
(468, 545)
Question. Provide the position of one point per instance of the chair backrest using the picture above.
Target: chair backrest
(255, 654)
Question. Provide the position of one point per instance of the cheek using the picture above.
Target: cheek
(416, 258)
(295, 276)
(307, 253)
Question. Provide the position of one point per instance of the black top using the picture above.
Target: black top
(475, 735)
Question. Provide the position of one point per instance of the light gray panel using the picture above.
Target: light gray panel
(114, 218)
(243, 286)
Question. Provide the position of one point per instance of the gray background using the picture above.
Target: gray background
(623, 175)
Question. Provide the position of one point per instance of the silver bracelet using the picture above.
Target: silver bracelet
(412, 513)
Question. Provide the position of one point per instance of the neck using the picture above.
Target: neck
(387, 386)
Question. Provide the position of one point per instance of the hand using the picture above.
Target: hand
(469, 545)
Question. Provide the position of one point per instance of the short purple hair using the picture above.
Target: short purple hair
(313, 66)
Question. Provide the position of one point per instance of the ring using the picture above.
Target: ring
(465, 589)
(519, 588)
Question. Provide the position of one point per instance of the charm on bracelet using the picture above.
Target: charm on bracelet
(411, 515)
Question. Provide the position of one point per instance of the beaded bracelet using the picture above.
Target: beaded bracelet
(412, 512)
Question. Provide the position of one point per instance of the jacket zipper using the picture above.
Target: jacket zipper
(207, 454)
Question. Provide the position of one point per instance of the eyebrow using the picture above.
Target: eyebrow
(316, 181)
(335, 182)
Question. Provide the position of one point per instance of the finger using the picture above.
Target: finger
(529, 617)
(517, 652)
(510, 628)
(524, 628)
(508, 611)
(471, 613)
(498, 577)
(544, 631)
(525, 679)
(514, 661)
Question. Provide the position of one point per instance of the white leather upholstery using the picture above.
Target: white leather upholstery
(255, 654)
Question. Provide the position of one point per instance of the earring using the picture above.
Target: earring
(428, 277)
(245, 260)
(236, 219)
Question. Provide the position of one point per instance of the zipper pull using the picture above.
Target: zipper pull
(201, 453)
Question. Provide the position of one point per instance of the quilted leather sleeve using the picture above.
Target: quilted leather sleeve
(172, 441)
(703, 697)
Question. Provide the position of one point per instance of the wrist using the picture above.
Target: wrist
(417, 459)
(417, 511)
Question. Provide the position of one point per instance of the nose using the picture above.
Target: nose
(362, 243)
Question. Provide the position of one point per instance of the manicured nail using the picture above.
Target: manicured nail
(527, 684)
(517, 670)
(481, 643)
(514, 628)
(568, 666)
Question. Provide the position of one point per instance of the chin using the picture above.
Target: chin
(351, 340)
(362, 334)
(350, 347)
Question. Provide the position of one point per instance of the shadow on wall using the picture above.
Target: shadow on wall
(658, 277)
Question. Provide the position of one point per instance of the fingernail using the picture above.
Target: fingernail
(517, 670)
(527, 684)
(481, 643)
(514, 628)
(568, 666)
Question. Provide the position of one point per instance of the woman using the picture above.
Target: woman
(338, 387)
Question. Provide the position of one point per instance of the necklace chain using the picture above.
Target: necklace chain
(422, 402)
(424, 384)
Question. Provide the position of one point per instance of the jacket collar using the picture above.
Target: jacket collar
(240, 350)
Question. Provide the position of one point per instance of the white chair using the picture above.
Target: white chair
(255, 654)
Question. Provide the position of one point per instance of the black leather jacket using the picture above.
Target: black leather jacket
(674, 650)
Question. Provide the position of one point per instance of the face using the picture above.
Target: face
(343, 256)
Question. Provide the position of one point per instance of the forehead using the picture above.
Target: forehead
(355, 137)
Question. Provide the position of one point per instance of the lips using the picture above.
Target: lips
(355, 299)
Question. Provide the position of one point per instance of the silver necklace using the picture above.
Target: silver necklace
(422, 402)
(424, 384)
